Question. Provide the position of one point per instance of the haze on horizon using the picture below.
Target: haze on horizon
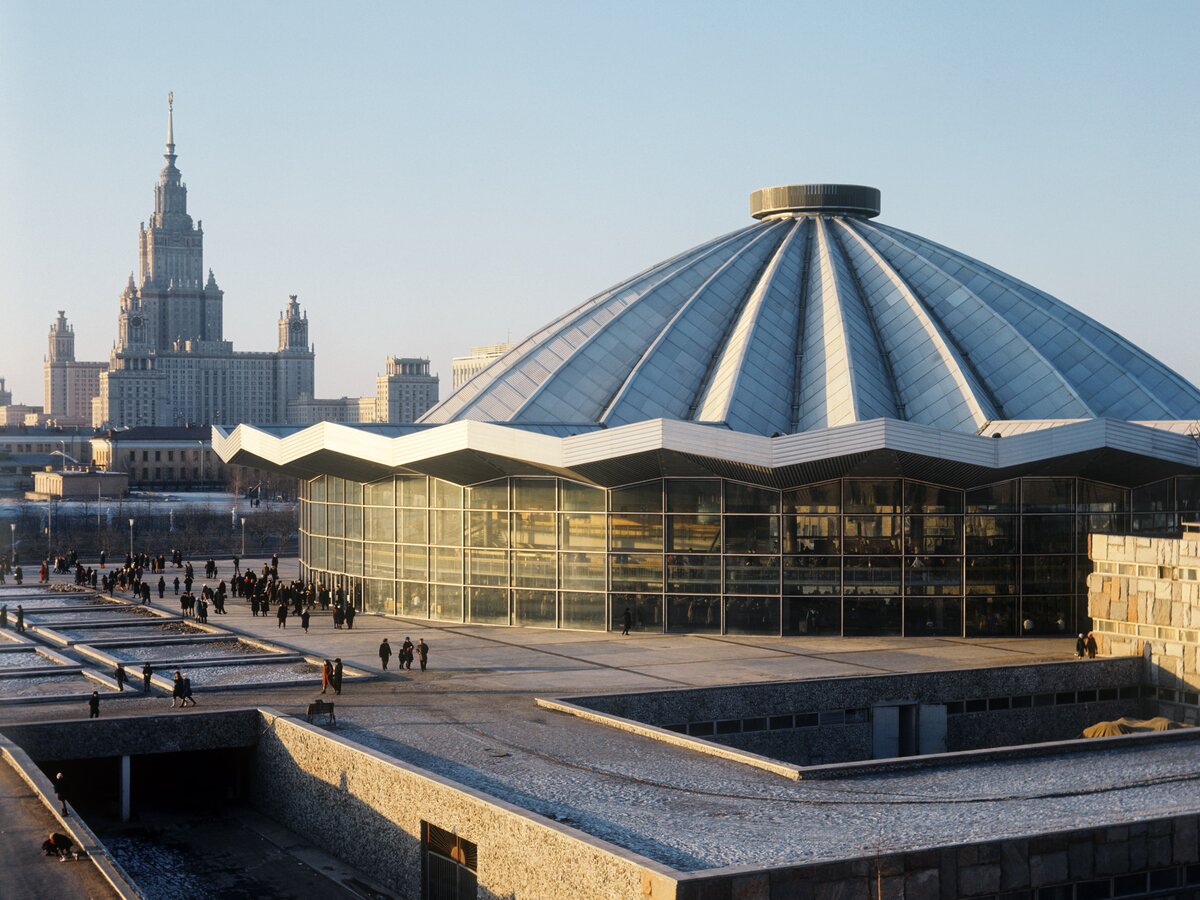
(429, 178)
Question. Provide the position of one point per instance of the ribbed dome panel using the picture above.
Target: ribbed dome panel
(809, 321)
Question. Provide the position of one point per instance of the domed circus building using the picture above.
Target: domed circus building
(817, 424)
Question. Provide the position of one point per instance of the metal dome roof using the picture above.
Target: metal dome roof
(816, 317)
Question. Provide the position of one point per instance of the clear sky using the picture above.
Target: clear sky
(429, 177)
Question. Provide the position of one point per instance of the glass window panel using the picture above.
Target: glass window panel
(643, 611)
(812, 575)
(923, 498)
(1048, 494)
(493, 495)
(932, 617)
(414, 600)
(379, 597)
(536, 608)
(752, 534)
(354, 522)
(933, 576)
(1046, 615)
(381, 493)
(578, 497)
(825, 497)
(694, 534)
(1047, 574)
(446, 495)
(317, 550)
(992, 575)
(583, 571)
(1187, 494)
(636, 572)
(337, 521)
(752, 615)
(1154, 497)
(871, 534)
(872, 496)
(487, 529)
(414, 562)
(317, 518)
(412, 491)
(337, 489)
(932, 535)
(354, 557)
(633, 532)
(337, 559)
(489, 567)
(1095, 497)
(446, 564)
(354, 493)
(446, 602)
(647, 497)
(865, 575)
(992, 534)
(1117, 523)
(991, 616)
(746, 498)
(535, 570)
(694, 574)
(316, 488)
(583, 531)
(871, 616)
(447, 527)
(812, 615)
(488, 605)
(752, 574)
(414, 526)
(686, 495)
(812, 534)
(1048, 534)
(381, 523)
(535, 530)
(380, 560)
(533, 494)
(583, 611)
(694, 614)
(993, 498)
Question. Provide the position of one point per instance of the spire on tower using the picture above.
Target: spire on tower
(170, 154)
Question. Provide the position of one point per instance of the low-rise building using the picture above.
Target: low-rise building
(479, 358)
(77, 484)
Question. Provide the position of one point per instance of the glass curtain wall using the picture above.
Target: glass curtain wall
(850, 556)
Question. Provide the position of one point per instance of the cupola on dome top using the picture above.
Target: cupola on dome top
(812, 317)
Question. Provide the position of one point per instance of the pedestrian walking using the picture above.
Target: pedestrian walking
(338, 617)
(326, 676)
(146, 673)
(176, 585)
(337, 675)
(406, 653)
(385, 653)
(281, 614)
(119, 675)
(177, 690)
(187, 691)
(350, 613)
(423, 653)
(1090, 644)
(162, 587)
(20, 617)
(94, 705)
(304, 620)
(60, 782)
(3, 616)
(626, 621)
(1080, 646)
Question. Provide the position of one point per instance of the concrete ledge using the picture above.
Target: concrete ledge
(675, 738)
(73, 826)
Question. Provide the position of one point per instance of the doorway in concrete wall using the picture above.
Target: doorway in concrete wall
(907, 729)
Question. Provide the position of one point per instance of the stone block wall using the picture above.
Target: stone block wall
(367, 809)
(1144, 600)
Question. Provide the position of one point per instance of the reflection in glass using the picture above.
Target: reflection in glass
(812, 534)
(446, 602)
(645, 498)
(633, 532)
(1046, 615)
(447, 527)
(488, 605)
(1047, 574)
(1048, 534)
(993, 498)
(825, 497)
(446, 495)
(933, 576)
(752, 575)
(992, 575)
(447, 565)
(1047, 494)
(812, 575)
(643, 611)
(747, 498)
(992, 534)
(930, 617)
(492, 495)
(872, 496)
(872, 616)
(381, 523)
(414, 600)
(872, 575)
(487, 567)
(576, 497)
(380, 493)
(751, 534)
(414, 525)
(583, 611)
(583, 571)
(694, 574)
(414, 562)
(535, 530)
(693, 495)
(872, 534)
(536, 494)
(812, 615)
(636, 571)
(582, 531)
(921, 498)
(412, 491)
(487, 529)
(379, 597)
(933, 535)
(536, 570)
(694, 614)
(380, 561)
(991, 616)
(694, 534)
(752, 615)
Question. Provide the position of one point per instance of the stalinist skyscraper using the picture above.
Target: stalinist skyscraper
(171, 364)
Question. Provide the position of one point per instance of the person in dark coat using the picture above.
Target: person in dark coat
(626, 621)
(94, 705)
(422, 653)
(176, 585)
(1080, 646)
(1091, 647)
(337, 675)
(350, 613)
(162, 587)
(119, 675)
(326, 676)
(20, 618)
(304, 615)
(406, 653)
(338, 617)
(60, 782)
(146, 673)
(177, 691)
(385, 653)
(281, 614)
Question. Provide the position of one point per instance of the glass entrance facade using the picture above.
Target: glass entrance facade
(849, 556)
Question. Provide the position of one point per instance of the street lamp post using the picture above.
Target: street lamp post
(131, 538)
(63, 466)
(243, 536)
(200, 444)
(12, 547)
